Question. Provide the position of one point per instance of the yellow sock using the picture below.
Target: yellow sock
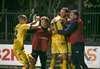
(69, 66)
(64, 64)
(52, 64)
(72, 66)
(61, 66)
(32, 66)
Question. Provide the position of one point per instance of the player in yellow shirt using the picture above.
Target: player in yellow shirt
(19, 36)
(58, 41)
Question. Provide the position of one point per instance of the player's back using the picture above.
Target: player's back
(20, 34)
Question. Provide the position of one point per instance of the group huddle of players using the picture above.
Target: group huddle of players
(65, 35)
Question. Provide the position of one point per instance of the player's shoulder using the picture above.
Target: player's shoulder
(18, 25)
(25, 25)
(57, 18)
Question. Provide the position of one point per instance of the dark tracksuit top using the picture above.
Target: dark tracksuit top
(75, 34)
(68, 28)
(74, 30)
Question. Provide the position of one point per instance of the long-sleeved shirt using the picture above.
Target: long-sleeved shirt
(69, 28)
(74, 31)
(41, 39)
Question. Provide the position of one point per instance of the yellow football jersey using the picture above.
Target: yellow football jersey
(20, 34)
(56, 24)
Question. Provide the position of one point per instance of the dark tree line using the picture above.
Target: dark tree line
(40, 5)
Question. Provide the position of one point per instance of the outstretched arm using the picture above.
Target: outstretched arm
(69, 30)
(64, 25)
(35, 23)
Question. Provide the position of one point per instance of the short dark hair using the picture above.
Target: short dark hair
(65, 9)
(75, 12)
(22, 17)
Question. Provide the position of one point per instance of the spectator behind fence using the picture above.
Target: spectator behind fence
(32, 16)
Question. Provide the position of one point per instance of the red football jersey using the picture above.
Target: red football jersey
(41, 39)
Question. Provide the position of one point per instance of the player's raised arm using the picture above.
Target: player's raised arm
(35, 23)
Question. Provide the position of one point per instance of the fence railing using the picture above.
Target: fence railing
(9, 20)
(7, 23)
(92, 25)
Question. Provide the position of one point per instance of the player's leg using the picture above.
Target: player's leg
(26, 66)
(64, 62)
(35, 56)
(69, 57)
(75, 54)
(20, 54)
(61, 63)
(31, 61)
(62, 47)
(54, 53)
(81, 56)
(22, 58)
(53, 60)
(69, 65)
(43, 59)
(75, 61)
(82, 63)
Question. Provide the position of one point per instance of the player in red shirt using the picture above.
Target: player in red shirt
(41, 41)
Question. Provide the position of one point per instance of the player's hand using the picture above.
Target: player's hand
(37, 19)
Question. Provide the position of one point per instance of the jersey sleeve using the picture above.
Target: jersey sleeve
(25, 26)
(70, 29)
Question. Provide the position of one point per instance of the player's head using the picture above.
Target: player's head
(74, 14)
(44, 21)
(22, 19)
(64, 12)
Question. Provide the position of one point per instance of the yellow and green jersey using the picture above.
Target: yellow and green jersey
(20, 34)
(56, 24)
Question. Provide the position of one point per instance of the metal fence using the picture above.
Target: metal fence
(9, 20)
(7, 23)
(92, 26)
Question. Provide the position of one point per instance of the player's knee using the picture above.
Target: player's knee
(52, 61)
(32, 60)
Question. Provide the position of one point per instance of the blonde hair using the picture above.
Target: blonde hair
(22, 17)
